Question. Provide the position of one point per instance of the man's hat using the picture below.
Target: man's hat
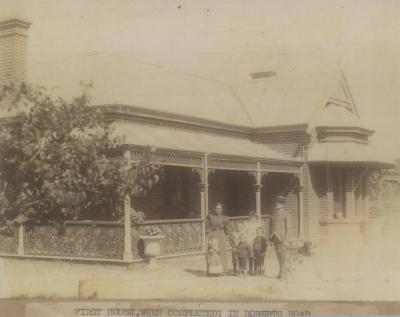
(281, 199)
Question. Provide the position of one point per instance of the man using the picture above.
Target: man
(280, 226)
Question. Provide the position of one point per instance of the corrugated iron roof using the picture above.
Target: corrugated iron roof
(288, 98)
(165, 137)
(123, 80)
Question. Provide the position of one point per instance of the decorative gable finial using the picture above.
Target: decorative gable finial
(338, 94)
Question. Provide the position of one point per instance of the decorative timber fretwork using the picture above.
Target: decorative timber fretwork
(105, 240)
(93, 241)
(257, 176)
(279, 168)
(253, 175)
(180, 236)
(171, 158)
(199, 172)
(231, 164)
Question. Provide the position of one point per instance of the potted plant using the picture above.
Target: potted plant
(151, 242)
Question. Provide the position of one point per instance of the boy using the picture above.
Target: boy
(234, 240)
(259, 249)
(244, 253)
(250, 228)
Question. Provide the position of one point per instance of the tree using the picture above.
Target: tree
(56, 161)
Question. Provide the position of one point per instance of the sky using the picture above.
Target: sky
(226, 40)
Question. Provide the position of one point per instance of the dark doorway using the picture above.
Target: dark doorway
(339, 192)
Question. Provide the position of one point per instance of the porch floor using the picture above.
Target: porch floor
(362, 273)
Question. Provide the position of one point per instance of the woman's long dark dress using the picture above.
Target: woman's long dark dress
(218, 227)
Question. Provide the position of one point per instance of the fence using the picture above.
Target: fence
(101, 240)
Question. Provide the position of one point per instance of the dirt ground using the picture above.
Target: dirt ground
(337, 272)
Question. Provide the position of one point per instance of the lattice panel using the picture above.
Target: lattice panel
(9, 243)
(179, 237)
(78, 241)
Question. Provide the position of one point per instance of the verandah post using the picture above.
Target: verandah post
(205, 169)
(258, 187)
(301, 205)
(204, 197)
(128, 255)
(203, 215)
(127, 230)
(21, 237)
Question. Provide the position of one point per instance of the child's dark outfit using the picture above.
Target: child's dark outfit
(234, 240)
(244, 252)
(259, 249)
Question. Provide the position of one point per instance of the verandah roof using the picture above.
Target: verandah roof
(348, 152)
(165, 137)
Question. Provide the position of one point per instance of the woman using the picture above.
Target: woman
(214, 265)
(218, 228)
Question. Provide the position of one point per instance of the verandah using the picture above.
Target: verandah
(191, 184)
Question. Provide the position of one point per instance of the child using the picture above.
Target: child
(250, 228)
(214, 263)
(234, 240)
(259, 249)
(244, 253)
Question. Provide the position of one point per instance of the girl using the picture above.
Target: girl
(214, 264)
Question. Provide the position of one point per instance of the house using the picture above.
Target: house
(292, 135)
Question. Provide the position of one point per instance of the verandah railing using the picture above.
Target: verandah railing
(180, 236)
(101, 239)
(105, 240)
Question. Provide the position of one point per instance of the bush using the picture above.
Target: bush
(55, 165)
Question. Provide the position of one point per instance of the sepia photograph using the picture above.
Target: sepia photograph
(206, 151)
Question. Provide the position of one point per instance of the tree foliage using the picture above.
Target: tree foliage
(55, 161)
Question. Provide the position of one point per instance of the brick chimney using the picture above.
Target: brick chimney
(13, 51)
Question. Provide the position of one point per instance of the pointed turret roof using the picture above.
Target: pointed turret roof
(338, 108)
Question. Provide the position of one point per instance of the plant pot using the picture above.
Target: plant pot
(152, 248)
